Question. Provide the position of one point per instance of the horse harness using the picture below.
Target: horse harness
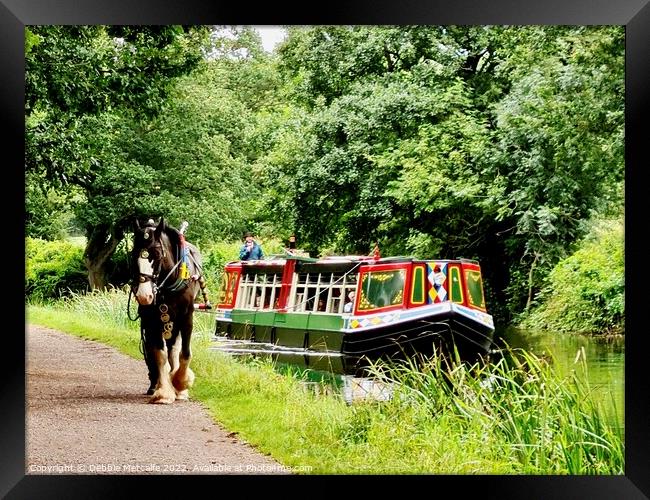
(158, 289)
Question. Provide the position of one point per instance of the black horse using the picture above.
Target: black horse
(168, 277)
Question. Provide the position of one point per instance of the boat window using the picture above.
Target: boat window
(475, 289)
(227, 288)
(259, 290)
(322, 292)
(381, 289)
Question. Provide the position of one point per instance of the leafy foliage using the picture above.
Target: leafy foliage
(113, 127)
(53, 269)
(489, 142)
(493, 143)
(586, 291)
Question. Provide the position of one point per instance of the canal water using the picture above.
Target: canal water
(604, 357)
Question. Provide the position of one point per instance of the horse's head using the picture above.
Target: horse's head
(151, 254)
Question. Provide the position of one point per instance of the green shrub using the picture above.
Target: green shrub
(215, 256)
(53, 269)
(585, 293)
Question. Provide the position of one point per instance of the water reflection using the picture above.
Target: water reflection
(328, 362)
(337, 374)
(352, 389)
(321, 373)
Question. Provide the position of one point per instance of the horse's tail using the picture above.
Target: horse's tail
(204, 290)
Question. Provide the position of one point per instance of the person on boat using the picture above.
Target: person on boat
(250, 250)
(349, 305)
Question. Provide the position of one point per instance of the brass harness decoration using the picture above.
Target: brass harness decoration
(167, 325)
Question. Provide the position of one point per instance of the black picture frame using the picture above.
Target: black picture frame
(633, 14)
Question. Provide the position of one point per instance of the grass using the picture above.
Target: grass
(544, 423)
(515, 416)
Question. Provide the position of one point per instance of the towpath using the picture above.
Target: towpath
(86, 413)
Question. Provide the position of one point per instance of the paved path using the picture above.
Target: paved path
(87, 414)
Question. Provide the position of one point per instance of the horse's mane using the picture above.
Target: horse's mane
(174, 236)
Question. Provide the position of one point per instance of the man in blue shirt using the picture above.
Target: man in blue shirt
(250, 250)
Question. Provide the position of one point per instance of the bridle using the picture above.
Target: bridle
(144, 263)
(156, 266)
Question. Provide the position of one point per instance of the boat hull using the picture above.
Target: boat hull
(359, 340)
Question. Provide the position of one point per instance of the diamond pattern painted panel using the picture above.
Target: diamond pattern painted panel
(437, 276)
(375, 320)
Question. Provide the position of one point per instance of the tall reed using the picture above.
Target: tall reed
(543, 422)
(109, 307)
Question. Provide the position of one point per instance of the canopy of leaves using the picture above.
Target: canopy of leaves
(493, 143)
(489, 142)
(82, 83)
(114, 125)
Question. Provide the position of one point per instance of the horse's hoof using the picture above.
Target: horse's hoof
(162, 398)
(182, 395)
(150, 391)
(159, 400)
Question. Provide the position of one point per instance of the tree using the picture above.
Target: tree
(182, 147)
(558, 155)
(494, 143)
(81, 81)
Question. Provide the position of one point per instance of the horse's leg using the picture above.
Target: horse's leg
(149, 331)
(164, 393)
(184, 376)
(152, 367)
(174, 352)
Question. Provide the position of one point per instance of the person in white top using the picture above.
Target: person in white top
(349, 305)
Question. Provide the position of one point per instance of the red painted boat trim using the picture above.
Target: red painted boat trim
(231, 268)
(287, 281)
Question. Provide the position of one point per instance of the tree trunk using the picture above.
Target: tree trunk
(530, 282)
(102, 242)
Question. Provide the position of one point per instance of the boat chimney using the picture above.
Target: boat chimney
(375, 253)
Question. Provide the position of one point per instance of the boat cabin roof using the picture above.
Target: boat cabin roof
(334, 261)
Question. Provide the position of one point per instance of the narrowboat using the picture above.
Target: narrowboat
(354, 307)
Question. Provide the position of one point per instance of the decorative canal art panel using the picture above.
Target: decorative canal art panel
(382, 289)
(475, 289)
(227, 288)
(437, 277)
(381, 319)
